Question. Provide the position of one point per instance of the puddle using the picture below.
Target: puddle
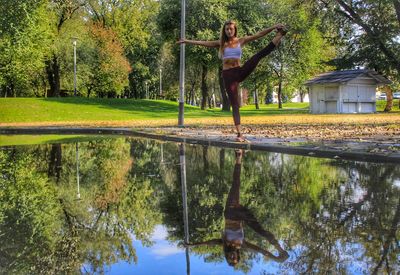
(122, 205)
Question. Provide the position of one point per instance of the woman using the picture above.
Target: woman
(236, 215)
(230, 51)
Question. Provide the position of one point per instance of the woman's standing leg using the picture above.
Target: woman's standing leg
(231, 87)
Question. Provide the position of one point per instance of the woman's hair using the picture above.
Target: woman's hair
(224, 38)
(232, 254)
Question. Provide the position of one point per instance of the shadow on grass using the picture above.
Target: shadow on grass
(169, 109)
(157, 108)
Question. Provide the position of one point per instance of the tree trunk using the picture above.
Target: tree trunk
(191, 93)
(302, 94)
(204, 91)
(269, 97)
(396, 4)
(389, 238)
(256, 95)
(389, 98)
(205, 159)
(222, 166)
(280, 93)
(256, 99)
(55, 162)
(12, 90)
(226, 106)
(53, 75)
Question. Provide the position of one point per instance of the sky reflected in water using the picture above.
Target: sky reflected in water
(117, 205)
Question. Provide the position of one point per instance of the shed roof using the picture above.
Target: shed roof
(346, 76)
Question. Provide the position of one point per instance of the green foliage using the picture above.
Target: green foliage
(28, 226)
(368, 28)
(23, 48)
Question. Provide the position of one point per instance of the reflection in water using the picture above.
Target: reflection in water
(78, 194)
(182, 158)
(332, 216)
(236, 215)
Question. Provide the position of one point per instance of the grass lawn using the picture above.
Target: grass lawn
(142, 113)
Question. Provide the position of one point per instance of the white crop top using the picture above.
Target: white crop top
(235, 52)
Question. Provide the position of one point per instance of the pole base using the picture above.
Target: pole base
(180, 117)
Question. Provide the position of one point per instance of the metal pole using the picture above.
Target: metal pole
(182, 158)
(74, 43)
(160, 82)
(182, 67)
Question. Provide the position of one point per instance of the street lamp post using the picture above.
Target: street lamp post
(74, 43)
(146, 89)
(160, 82)
(182, 67)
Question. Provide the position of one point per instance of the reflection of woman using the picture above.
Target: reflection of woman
(235, 216)
(230, 50)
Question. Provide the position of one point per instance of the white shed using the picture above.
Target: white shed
(350, 91)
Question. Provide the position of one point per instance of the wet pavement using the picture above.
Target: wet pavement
(373, 150)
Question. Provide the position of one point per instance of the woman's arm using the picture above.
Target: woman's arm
(209, 44)
(209, 242)
(247, 39)
(283, 255)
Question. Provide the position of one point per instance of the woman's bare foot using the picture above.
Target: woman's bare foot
(241, 138)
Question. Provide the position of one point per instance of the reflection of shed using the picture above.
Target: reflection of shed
(351, 91)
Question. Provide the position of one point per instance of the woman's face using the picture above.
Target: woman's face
(230, 30)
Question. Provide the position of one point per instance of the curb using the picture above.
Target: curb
(268, 147)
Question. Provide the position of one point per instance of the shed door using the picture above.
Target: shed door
(350, 93)
(321, 101)
(331, 107)
(367, 107)
(366, 93)
(349, 107)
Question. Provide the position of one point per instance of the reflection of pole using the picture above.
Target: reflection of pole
(162, 153)
(182, 158)
(77, 170)
(182, 67)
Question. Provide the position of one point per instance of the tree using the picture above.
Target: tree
(302, 53)
(204, 20)
(109, 68)
(134, 25)
(24, 40)
(62, 12)
(372, 30)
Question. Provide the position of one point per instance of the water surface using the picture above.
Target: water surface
(135, 206)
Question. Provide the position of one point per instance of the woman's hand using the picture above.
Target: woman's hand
(279, 26)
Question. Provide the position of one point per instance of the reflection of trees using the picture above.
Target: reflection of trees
(27, 224)
(351, 224)
(332, 214)
(59, 233)
(315, 205)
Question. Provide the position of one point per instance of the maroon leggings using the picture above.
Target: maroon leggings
(232, 77)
